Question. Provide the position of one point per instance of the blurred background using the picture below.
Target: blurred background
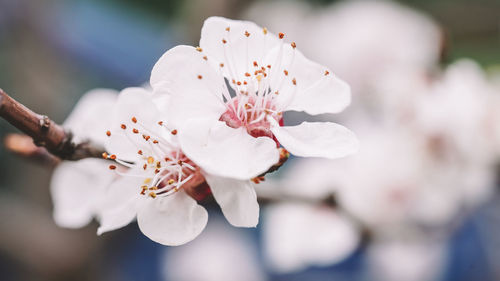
(419, 202)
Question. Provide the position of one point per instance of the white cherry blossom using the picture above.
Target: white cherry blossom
(76, 185)
(153, 172)
(233, 131)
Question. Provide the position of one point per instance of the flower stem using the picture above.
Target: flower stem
(44, 132)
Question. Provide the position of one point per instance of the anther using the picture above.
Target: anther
(205, 58)
(199, 49)
(145, 166)
(228, 28)
(157, 171)
(200, 77)
(327, 72)
(174, 132)
(153, 188)
(135, 131)
(224, 41)
(113, 157)
(146, 137)
(152, 194)
(155, 141)
(123, 126)
(151, 160)
(160, 123)
(294, 81)
(268, 66)
(104, 155)
(294, 45)
(281, 35)
(264, 30)
(247, 34)
(221, 64)
(134, 119)
(247, 74)
(239, 83)
(108, 133)
(158, 164)
(112, 167)
(171, 181)
(139, 152)
(255, 64)
(286, 72)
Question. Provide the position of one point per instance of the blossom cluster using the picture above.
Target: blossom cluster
(430, 143)
(210, 124)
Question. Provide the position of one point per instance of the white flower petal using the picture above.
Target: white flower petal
(120, 202)
(90, 118)
(194, 86)
(75, 187)
(172, 220)
(227, 152)
(132, 102)
(239, 52)
(237, 199)
(316, 89)
(318, 139)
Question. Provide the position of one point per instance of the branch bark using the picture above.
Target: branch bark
(44, 132)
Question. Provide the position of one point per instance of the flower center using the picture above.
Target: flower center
(252, 113)
(166, 168)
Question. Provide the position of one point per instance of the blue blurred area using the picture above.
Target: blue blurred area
(111, 41)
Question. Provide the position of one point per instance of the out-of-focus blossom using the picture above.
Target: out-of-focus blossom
(363, 41)
(458, 118)
(411, 259)
(221, 253)
(300, 235)
(267, 77)
(76, 185)
(152, 184)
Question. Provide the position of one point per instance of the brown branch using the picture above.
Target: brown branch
(44, 132)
